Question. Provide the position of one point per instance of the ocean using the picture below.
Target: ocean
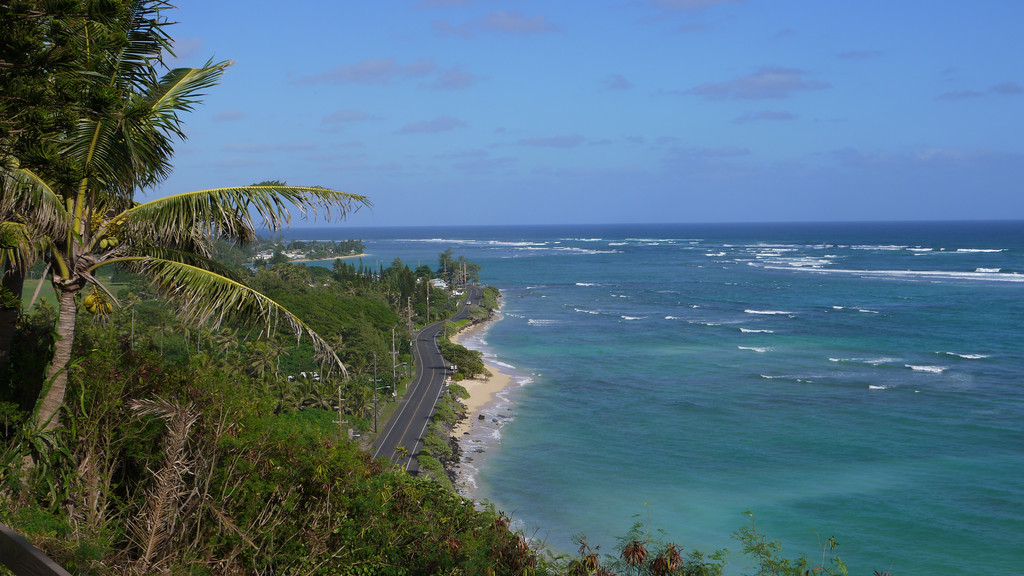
(862, 381)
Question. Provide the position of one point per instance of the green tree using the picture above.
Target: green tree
(456, 270)
(28, 215)
(124, 144)
(446, 265)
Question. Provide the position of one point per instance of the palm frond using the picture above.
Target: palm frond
(16, 247)
(179, 91)
(170, 490)
(228, 212)
(129, 145)
(150, 122)
(26, 197)
(186, 256)
(143, 26)
(209, 298)
(96, 148)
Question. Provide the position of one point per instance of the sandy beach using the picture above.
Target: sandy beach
(482, 391)
(331, 259)
(486, 414)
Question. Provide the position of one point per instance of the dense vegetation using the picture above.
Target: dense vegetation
(191, 451)
(157, 412)
(185, 448)
(277, 250)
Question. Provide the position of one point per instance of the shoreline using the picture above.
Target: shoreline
(482, 391)
(478, 430)
(329, 259)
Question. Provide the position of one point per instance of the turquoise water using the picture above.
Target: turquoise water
(861, 381)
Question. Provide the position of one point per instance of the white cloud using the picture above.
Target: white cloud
(443, 3)
(348, 116)
(1007, 88)
(445, 28)
(259, 147)
(859, 55)
(766, 83)
(777, 115)
(690, 5)
(439, 124)
(617, 82)
(452, 79)
(503, 22)
(515, 23)
(722, 152)
(565, 141)
(372, 71)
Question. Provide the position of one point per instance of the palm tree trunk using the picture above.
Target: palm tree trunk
(57, 374)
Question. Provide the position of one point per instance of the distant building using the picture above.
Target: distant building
(289, 254)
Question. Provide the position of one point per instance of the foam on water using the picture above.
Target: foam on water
(925, 368)
(870, 361)
(951, 275)
(543, 322)
(895, 378)
(880, 248)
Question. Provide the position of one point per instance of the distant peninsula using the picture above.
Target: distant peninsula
(274, 251)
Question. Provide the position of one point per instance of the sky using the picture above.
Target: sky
(446, 112)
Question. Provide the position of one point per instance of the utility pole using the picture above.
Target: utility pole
(374, 392)
(341, 414)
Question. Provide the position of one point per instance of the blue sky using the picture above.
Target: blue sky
(520, 112)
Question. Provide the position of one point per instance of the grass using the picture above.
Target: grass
(47, 293)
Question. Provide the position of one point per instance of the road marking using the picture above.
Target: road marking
(397, 417)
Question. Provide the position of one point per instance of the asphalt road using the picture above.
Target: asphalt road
(408, 425)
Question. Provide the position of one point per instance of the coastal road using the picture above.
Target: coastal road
(408, 425)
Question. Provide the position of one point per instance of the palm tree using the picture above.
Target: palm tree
(27, 213)
(225, 341)
(124, 145)
(259, 360)
(169, 240)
